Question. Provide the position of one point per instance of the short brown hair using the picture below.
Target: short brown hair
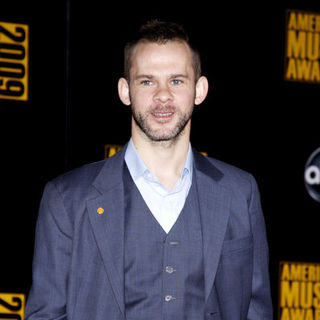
(161, 32)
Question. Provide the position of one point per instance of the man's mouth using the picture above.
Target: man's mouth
(163, 115)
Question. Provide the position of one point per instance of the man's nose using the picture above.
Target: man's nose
(163, 94)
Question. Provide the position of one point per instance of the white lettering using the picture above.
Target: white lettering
(312, 175)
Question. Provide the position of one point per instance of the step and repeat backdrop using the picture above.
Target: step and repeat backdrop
(59, 66)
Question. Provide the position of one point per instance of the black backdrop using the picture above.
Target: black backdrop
(252, 118)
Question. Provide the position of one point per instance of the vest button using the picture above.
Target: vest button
(168, 298)
(169, 269)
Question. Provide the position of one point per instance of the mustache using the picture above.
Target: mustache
(162, 108)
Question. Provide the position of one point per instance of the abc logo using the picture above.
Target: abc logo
(312, 175)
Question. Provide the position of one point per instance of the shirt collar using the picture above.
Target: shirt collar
(138, 169)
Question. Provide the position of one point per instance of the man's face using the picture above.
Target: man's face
(162, 89)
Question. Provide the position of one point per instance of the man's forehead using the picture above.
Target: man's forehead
(157, 50)
(153, 76)
(162, 59)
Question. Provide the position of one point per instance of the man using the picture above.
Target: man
(158, 231)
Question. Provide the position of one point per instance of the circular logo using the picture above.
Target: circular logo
(312, 175)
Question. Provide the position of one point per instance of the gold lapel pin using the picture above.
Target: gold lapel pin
(100, 210)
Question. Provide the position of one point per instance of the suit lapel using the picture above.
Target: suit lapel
(214, 202)
(106, 214)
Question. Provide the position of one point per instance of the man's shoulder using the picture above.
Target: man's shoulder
(76, 184)
(231, 176)
(88, 172)
(226, 171)
(81, 179)
(230, 170)
(84, 174)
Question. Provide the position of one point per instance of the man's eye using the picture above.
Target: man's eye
(176, 81)
(146, 82)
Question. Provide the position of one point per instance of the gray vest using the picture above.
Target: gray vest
(164, 274)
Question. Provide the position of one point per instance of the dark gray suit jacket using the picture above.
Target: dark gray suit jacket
(78, 261)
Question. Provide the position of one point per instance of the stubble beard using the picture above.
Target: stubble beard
(159, 135)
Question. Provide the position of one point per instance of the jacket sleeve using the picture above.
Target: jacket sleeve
(261, 304)
(52, 255)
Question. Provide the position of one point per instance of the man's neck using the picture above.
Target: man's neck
(165, 159)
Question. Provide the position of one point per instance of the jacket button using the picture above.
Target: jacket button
(169, 269)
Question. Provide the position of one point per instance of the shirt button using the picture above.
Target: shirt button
(169, 269)
(168, 298)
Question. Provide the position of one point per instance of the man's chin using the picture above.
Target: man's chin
(162, 136)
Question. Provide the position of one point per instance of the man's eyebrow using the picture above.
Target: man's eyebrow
(150, 76)
(178, 75)
(143, 76)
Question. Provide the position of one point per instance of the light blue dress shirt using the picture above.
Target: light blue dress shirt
(165, 205)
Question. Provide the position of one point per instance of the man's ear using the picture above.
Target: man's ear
(202, 87)
(123, 91)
